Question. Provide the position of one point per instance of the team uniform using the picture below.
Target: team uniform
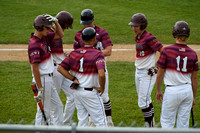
(84, 64)
(102, 41)
(61, 82)
(179, 61)
(146, 47)
(39, 52)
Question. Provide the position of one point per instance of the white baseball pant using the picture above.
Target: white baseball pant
(61, 82)
(89, 102)
(144, 85)
(176, 100)
(105, 96)
(53, 107)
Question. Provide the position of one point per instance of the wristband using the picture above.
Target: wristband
(74, 78)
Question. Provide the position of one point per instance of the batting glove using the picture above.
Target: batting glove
(40, 95)
(51, 18)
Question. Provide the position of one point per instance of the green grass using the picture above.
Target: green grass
(17, 17)
(17, 100)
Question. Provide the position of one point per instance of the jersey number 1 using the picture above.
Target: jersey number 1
(184, 69)
(81, 65)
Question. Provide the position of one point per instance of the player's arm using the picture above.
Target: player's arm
(194, 79)
(59, 33)
(160, 50)
(66, 74)
(159, 79)
(107, 51)
(36, 73)
(102, 78)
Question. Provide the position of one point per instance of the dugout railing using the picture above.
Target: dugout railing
(74, 129)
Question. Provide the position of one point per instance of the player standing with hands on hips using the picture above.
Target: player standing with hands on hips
(65, 20)
(178, 66)
(145, 76)
(87, 66)
(102, 43)
(42, 67)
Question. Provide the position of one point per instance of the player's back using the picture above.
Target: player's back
(179, 61)
(84, 65)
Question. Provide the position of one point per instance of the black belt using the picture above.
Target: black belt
(169, 85)
(55, 64)
(88, 89)
(173, 85)
(50, 74)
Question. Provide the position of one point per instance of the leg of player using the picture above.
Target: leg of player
(70, 104)
(144, 85)
(107, 103)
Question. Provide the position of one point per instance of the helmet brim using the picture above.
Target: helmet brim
(133, 24)
(70, 27)
(49, 26)
(86, 22)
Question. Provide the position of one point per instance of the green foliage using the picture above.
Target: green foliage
(17, 97)
(17, 17)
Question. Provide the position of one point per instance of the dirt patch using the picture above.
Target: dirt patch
(120, 52)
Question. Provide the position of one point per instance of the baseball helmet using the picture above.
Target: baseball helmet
(40, 22)
(88, 33)
(65, 19)
(139, 19)
(181, 28)
(87, 17)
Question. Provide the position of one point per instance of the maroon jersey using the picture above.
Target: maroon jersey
(57, 51)
(179, 61)
(102, 39)
(146, 47)
(39, 52)
(84, 64)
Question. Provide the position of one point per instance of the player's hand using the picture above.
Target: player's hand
(159, 96)
(39, 97)
(193, 104)
(66, 54)
(100, 90)
(51, 18)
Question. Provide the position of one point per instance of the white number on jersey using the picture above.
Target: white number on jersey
(141, 53)
(81, 65)
(184, 69)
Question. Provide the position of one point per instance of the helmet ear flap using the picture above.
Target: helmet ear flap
(39, 28)
(142, 27)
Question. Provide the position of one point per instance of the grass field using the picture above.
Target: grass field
(17, 17)
(17, 100)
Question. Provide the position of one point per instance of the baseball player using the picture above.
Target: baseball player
(65, 20)
(41, 62)
(102, 43)
(87, 66)
(178, 66)
(145, 76)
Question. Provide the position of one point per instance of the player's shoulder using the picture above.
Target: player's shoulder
(79, 32)
(34, 42)
(100, 29)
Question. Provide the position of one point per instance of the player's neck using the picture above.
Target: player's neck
(38, 34)
(140, 34)
(180, 42)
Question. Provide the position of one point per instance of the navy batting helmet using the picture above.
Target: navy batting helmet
(65, 19)
(87, 17)
(139, 19)
(40, 22)
(181, 28)
(88, 33)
